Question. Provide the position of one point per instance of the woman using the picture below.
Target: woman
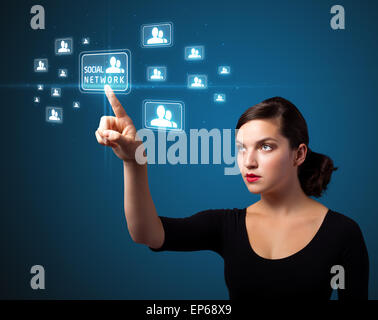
(286, 245)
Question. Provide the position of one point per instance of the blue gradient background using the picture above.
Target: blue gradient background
(62, 192)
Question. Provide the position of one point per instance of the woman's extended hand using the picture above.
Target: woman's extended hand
(118, 132)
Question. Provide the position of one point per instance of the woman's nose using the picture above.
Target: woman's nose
(249, 159)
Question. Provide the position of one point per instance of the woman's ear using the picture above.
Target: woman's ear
(300, 154)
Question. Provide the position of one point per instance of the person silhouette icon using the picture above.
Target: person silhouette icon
(41, 66)
(54, 115)
(118, 65)
(63, 73)
(168, 116)
(160, 121)
(56, 92)
(197, 82)
(113, 68)
(63, 47)
(156, 74)
(220, 97)
(194, 54)
(160, 35)
(154, 39)
(36, 99)
(157, 37)
(224, 70)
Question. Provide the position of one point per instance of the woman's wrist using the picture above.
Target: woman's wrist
(133, 163)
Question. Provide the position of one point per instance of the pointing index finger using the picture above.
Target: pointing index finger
(119, 111)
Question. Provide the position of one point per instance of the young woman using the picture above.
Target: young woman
(286, 245)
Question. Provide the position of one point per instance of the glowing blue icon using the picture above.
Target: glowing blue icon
(76, 104)
(54, 114)
(156, 73)
(195, 53)
(219, 97)
(197, 81)
(85, 41)
(62, 73)
(40, 87)
(98, 68)
(163, 115)
(157, 35)
(41, 65)
(37, 100)
(63, 46)
(224, 70)
(56, 92)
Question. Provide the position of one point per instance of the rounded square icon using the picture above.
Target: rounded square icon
(41, 65)
(197, 81)
(163, 115)
(56, 92)
(157, 34)
(219, 97)
(194, 53)
(224, 70)
(105, 67)
(62, 73)
(157, 73)
(63, 46)
(54, 114)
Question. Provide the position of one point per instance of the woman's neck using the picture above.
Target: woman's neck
(285, 201)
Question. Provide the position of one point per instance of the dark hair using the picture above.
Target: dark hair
(315, 172)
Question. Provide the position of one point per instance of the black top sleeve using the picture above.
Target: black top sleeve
(201, 231)
(355, 261)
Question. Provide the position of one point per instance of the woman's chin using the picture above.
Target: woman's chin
(254, 189)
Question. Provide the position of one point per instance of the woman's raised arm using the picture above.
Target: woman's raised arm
(119, 133)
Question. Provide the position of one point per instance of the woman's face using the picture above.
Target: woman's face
(271, 158)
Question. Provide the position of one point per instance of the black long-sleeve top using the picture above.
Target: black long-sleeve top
(305, 274)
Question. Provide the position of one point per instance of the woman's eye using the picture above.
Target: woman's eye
(240, 148)
(267, 146)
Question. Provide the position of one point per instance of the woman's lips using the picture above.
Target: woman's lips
(252, 178)
(251, 175)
